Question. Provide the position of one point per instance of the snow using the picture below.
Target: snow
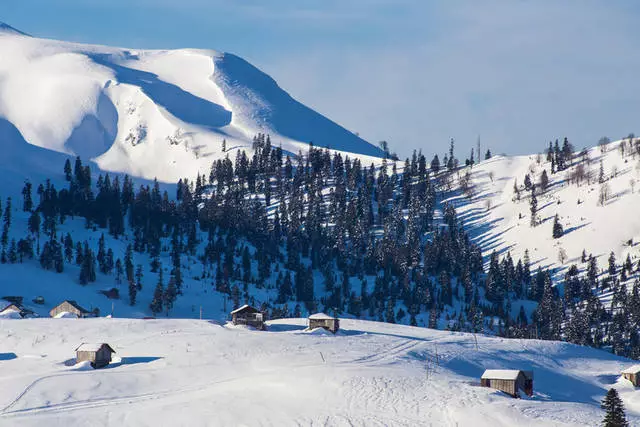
(66, 315)
(148, 113)
(501, 374)
(91, 347)
(239, 309)
(320, 316)
(632, 370)
(10, 314)
(498, 222)
(198, 373)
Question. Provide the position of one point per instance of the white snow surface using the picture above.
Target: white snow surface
(149, 113)
(198, 373)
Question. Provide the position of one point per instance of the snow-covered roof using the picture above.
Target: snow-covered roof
(632, 370)
(11, 307)
(93, 347)
(243, 308)
(320, 316)
(501, 374)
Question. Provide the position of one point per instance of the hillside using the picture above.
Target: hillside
(153, 114)
(199, 373)
(500, 220)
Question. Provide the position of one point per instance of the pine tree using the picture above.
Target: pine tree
(133, 291)
(27, 204)
(158, 294)
(67, 170)
(612, 264)
(615, 415)
(139, 276)
(533, 206)
(544, 180)
(558, 231)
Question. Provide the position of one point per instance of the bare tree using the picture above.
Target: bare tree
(632, 183)
(466, 185)
(603, 144)
(562, 255)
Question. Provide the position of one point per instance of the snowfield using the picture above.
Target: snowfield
(159, 113)
(199, 373)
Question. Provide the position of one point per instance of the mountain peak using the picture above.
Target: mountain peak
(6, 28)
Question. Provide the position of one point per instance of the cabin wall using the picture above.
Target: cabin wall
(507, 386)
(82, 356)
(329, 324)
(65, 306)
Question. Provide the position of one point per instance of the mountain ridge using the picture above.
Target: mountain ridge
(153, 113)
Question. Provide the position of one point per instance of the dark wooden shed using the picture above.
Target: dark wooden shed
(70, 306)
(98, 354)
(510, 381)
(632, 374)
(321, 320)
(249, 316)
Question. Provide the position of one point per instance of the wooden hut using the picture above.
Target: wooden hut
(510, 381)
(247, 315)
(321, 320)
(98, 354)
(632, 374)
(15, 308)
(72, 307)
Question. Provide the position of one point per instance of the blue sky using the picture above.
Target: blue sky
(413, 72)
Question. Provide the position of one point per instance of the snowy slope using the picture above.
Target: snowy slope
(197, 373)
(151, 114)
(498, 221)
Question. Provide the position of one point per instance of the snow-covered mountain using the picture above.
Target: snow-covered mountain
(149, 113)
(197, 373)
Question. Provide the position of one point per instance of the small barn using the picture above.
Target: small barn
(98, 354)
(16, 309)
(321, 320)
(69, 306)
(632, 374)
(13, 308)
(249, 316)
(510, 381)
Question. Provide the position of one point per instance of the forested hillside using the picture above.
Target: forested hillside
(305, 233)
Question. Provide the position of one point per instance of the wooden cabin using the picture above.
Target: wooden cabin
(72, 307)
(98, 354)
(247, 315)
(321, 320)
(632, 374)
(510, 381)
(14, 307)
